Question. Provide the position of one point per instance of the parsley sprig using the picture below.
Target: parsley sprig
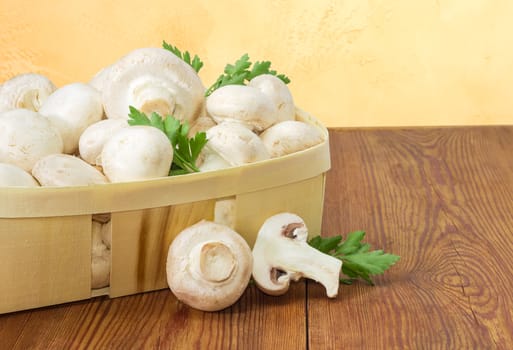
(358, 261)
(196, 62)
(242, 72)
(186, 150)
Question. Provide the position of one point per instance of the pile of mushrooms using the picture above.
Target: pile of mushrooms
(78, 135)
(88, 121)
(209, 265)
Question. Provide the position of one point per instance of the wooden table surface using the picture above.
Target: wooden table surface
(441, 198)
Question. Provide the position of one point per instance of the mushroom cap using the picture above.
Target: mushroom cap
(153, 80)
(91, 141)
(202, 124)
(244, 104)
(208, 266)
(66, 170)
(100, 270)
(100, 79)
(106, 233)
(72, 108)
(281, 254)
(137, 153)
(290, 136)
(12, 175)
(27, 136)
(278, 92)
(28, 91)
(233, 143)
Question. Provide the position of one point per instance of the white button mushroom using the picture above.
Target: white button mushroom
(27, 91)
(203, 123)
(66, 170)
(100, 259)
(27, 136)
(290, 136)
(93, 138)
(153, 80)
(137, 153)
(208, 266)
(72, 108)
(100, 79)
(281, 254)
(278, 92)
(231, 144)
(243, 104)
(11, 175)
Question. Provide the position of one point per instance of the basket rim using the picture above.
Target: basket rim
(23, 202)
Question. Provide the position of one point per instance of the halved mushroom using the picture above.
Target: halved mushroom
(278, 92)
(137, 153)
(242, 104)
(28, 91)
(72, 108)
(290, 136)
(12, 175)
(66, 170)
(94, 137)
(208, 266)
(281, 254)
(153, 80)
(27, 136)
(231, 144)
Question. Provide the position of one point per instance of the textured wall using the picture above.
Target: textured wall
(353, 62)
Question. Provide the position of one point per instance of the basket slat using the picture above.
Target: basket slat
(45, 261)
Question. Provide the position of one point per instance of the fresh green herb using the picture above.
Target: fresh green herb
(196, 63)
(241, 72)
(358, 261)
(186, 150)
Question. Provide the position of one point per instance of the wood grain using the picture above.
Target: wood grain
(157, 320)
(443, 200)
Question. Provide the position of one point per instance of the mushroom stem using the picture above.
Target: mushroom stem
(213, 261)
(31, 100)
(320, 269)
(150, 98)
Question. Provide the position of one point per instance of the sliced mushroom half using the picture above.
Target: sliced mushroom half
(281, 254)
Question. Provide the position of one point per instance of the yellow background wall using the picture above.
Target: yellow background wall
(352, 62)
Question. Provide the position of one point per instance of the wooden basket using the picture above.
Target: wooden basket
(45, 233)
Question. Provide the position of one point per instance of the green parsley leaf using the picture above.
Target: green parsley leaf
(186, 150)
(241, 72)
(137, 118)
(351, 244)
(358, 261)
(196, 63)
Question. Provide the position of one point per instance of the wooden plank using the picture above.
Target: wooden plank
(443, 200)
(140, 241)
(158, 321)
(44, 261)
